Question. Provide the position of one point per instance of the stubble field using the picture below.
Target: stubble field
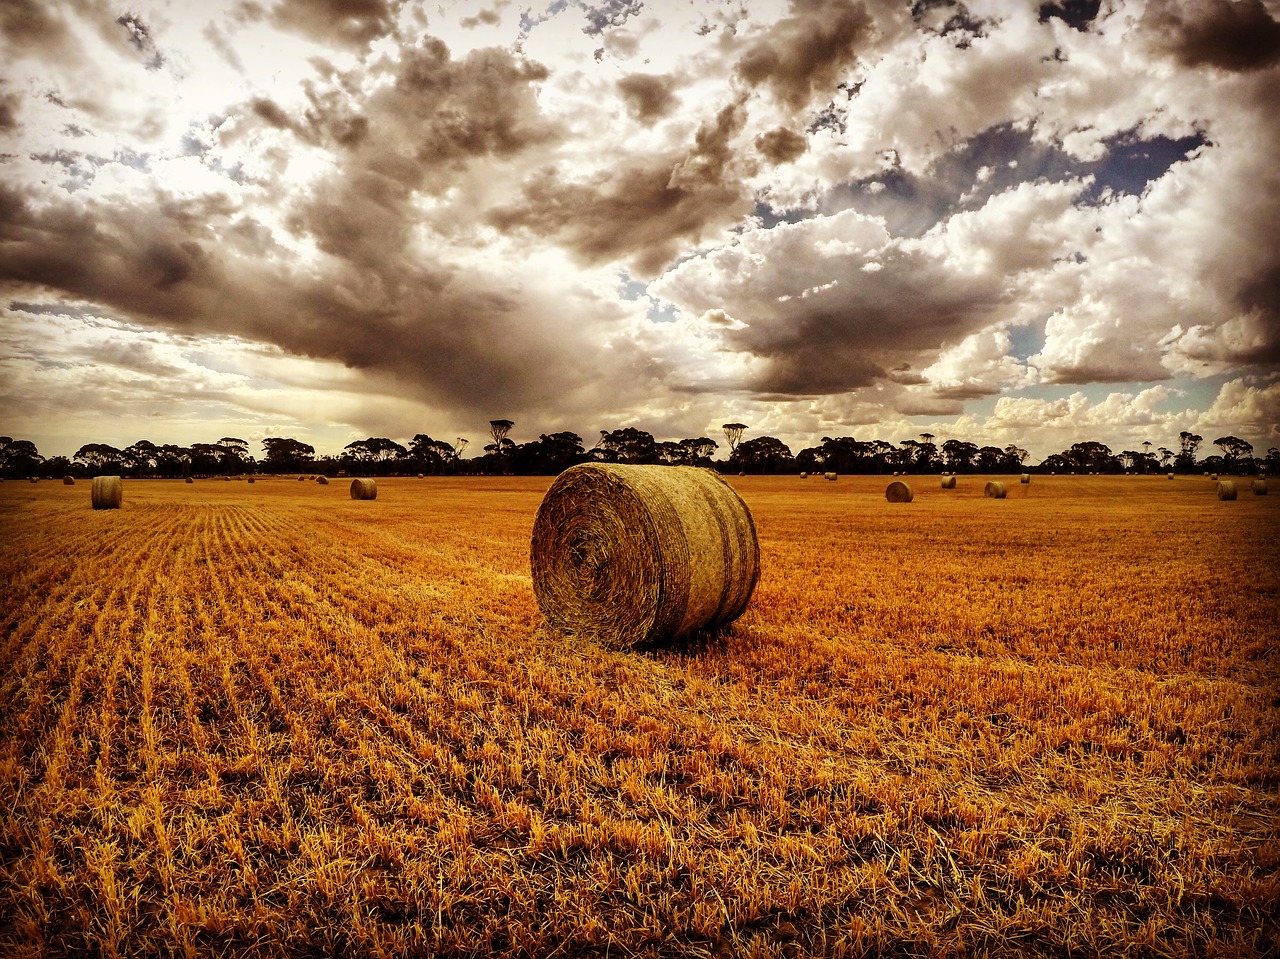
(266, 719)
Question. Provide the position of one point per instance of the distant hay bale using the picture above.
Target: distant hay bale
(1170, 476)
(831, 476)
(422, 476)
(322, 481)
(1026, 478)
(68, 481)
(364, 488)
(301, 478)
(804, 475)
(35, 479)
(189, 480)
(1214, 477)
(1226, 489)
(107, 492)
(898, 492)
(1259, 487)
(948, 482)
(250, 479)
(632, 556)
(995, 490)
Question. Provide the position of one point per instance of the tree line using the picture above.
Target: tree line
(551, 453)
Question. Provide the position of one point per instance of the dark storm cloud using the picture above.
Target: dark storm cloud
(648, 97)
(1231, 34)
(374, 300)
(33, 28)
(139, 37)
(806, 54)
(644, 212)
(353, 23)
(781, 145)
(8, 111)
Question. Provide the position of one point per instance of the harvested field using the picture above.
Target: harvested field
(235, 719)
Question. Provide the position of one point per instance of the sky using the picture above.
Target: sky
(999, 221)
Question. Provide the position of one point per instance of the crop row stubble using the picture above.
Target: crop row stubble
(242, 717)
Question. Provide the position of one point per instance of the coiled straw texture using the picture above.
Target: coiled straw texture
(633, 556)
(995, 490)
(107, 492)
(364, 489)
(1226, 489)
(898, 492)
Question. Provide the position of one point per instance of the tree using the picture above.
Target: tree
(959, 454)
(733, 433)
(429, 456)
(1016, 454)
(499, 429)
(286, 454)
(1189, 444)
(98, 457)
(699, 448)
(375, 449)
(1165, 456)
(142, 456)
(548, 455)
(19, 458)
(627, 445)
(764, 454)
(1272, 462)
(460, 444)
(1233, 448)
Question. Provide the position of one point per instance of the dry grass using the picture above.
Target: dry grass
(273, 722)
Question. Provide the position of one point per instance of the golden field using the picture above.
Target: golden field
(270, 720)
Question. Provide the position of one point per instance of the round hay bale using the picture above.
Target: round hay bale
(1226, 489)
(1026, 478)
(898, 492)
(322, 481)
(948, 482)
(301, 478)
(107, 492)
(249, 480)
(831, 476)
(68, 481)
(633, 556)
(363, 488)
(35, 479)
(1170, 476)
(994, 490)
(1259, 487)
(804, 475)
(1214, 477)
(188, 480)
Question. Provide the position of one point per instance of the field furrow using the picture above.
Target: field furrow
(254, 715)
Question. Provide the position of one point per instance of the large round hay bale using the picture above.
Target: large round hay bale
(1226, 489)
(1259, 487)
(322, 481)
(1025, 478)
(831, 476)
(363, 488)
(948, 482)
(68, 481)
(994, 490)
(107, 492)
(633, 556)
(898, 492)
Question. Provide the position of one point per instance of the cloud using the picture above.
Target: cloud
(351, 23)
(1228, 34)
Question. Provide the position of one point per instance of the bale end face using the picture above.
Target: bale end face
(1226, 489)
(364, 489)
(1025, 478)
(68, 481)
(107, 492)
(637, 556)
(994, 490)
(898, 492)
